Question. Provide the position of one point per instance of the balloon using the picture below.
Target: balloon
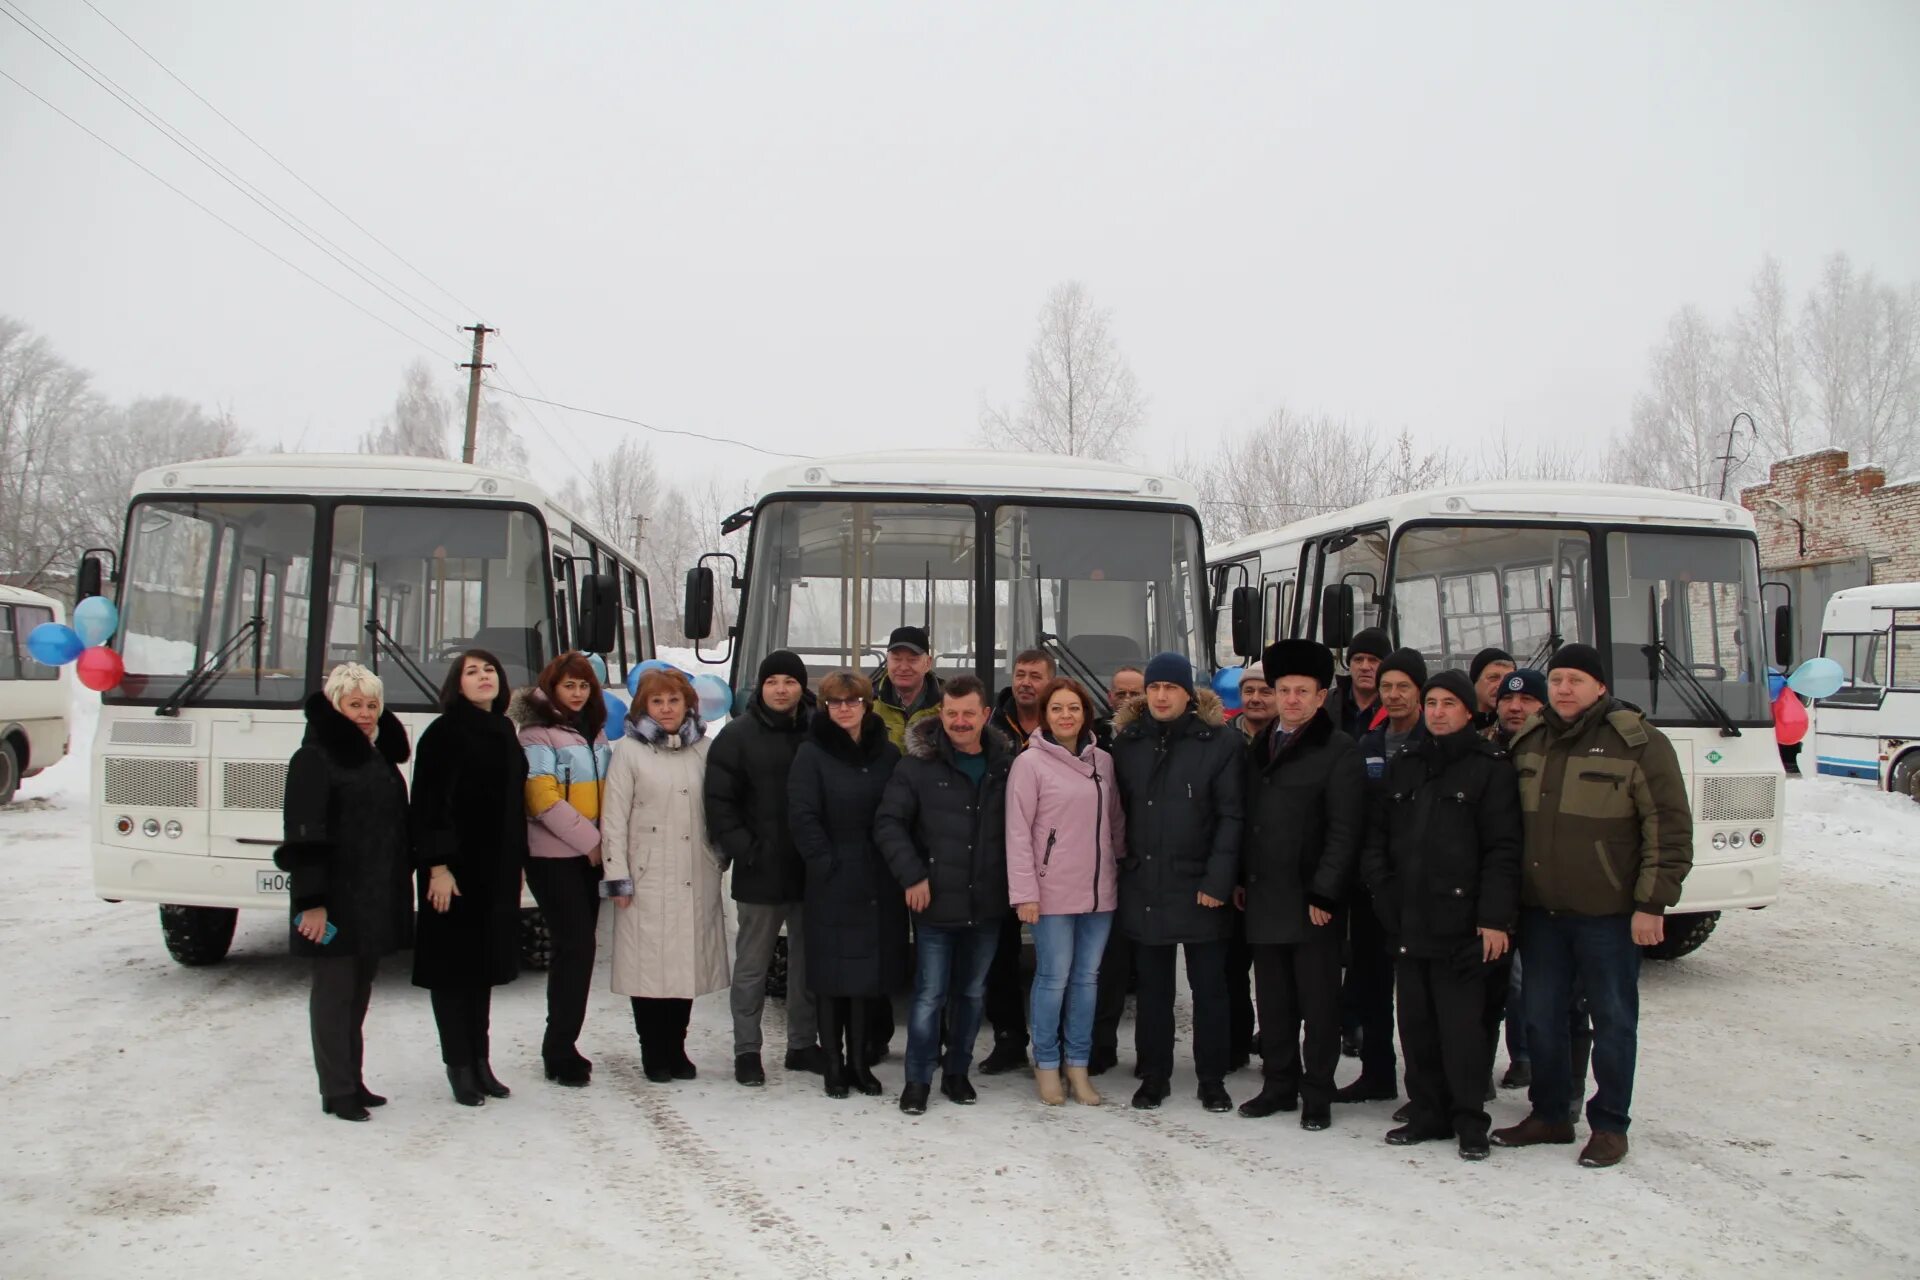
(96, 620)
(716, 698)
(54, 644)
(1775, 683)
(633, 676)
(1226, 683)
(99, 668)
(1817, 678)
(616, 715)
(599, 665)
(1789, 719)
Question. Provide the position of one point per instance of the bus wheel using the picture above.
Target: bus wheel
(777, 970)
(1685, 935)
(198, 935)
(536, 945)
(1903, 781)
(9, 772)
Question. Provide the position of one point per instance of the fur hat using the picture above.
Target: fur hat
(1310, 658)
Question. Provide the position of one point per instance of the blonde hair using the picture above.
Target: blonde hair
(351, 677)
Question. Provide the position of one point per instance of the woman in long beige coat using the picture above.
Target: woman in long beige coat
(670, 934)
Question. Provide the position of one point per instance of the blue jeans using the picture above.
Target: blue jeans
(955, 956)
(1516, 1013)
(1066, 970)
(1595, 956)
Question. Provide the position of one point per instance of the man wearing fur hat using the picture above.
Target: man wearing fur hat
(1306, 804)
(1180, 778)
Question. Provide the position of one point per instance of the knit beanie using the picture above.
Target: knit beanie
(1454, 683)
(1372, 641)
(1170, 668)
(782, 662)
(1285, 658)
(1580, 657)
(1525, 680)
(1408, 662)
(1485, 658)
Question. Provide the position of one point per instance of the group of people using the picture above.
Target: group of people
(1466, 850)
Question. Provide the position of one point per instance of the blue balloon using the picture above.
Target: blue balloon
(616, 714)
(633, 676)
(716, 698)
(599, 665)
(1226, 683)
(1817, 678)
(55, 644)
(96, 620)
(1775, 683)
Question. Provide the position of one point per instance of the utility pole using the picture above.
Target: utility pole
(473, 367)
(1726, 459)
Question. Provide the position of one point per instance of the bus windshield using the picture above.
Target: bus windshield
(1458, 589)
(1699, 596)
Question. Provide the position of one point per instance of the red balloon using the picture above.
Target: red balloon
(99, 668)
(1789, 717)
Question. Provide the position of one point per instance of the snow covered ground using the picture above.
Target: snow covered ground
(162, 1121)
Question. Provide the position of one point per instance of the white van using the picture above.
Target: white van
(33, 697)
(1871, 727)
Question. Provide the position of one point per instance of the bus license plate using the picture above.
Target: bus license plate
(272, 881)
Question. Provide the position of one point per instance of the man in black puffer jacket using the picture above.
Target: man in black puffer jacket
(942, 827)
(1306, 804)
(746, 799)
(1443, 863)
(1178, 766)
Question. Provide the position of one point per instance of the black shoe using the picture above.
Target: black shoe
(573, 1075)
(1150, 1095)
(812, 1059)
(368, 1098)
(466, 1086)
(1350, 1043)
(861, 1077)
(683, 1069)
(490, 1083)
(1365, 1090)
(1474, 1146)
(1213, 1096)
(958, 1090)
(1269, 1100)
(833, 1076)
(1006, 1056)
(748, 1071)
(1519, 1075)
(658, 1074)
(1316, 1116)
(913, 1099)
(1101, 1061)
(346, 1108)
(1409, 1135)
(1403, 1114)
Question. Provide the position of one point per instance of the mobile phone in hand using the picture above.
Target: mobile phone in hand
(326, 936)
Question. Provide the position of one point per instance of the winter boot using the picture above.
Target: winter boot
(1080, 1087)
(1046, 1081)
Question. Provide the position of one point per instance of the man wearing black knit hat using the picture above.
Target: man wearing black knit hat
(1489, 667)
(1306, 799)
(1354, 703)
(1609, 842)
(746, 802)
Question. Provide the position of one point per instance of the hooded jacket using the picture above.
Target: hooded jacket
(1181, 784)
(345, 816)
(1609, 828)
(1306, 813)
(1065, 829)
(899, 719)
(565, 776)
(934, 825)
(746, 799)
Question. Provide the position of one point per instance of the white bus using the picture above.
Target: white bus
(33, 697)
(242, 581)
(1100, 564)
(1665, 585)
(1871, 728)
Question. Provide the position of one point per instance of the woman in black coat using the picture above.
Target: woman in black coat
(855, 918)
(346, 849)
(470, 849)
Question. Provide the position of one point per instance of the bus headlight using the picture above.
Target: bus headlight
(150, 828)
(1757, 839)
(1719, 839)
(1736, 840)
(175, 830)
(123, 824)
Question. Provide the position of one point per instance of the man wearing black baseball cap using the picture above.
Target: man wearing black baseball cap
(909, 692)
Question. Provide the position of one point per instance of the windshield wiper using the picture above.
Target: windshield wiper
(207, 672)
(1082, 671)
(1661, 657)
(383, 642)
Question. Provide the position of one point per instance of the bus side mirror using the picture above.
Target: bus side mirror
(599, 614)
(88, 580)
(1783, 636)
(1336, 615)
(1246, 622)
(696, 611)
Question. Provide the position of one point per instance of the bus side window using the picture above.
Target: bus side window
(1906, 658)
(25, 618)
(11, 645)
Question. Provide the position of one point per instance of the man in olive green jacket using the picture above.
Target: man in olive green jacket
(1609, 840)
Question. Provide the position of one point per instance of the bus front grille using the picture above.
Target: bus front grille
(252, 784)
(153, 732)
(1748, 799)
(151, 784)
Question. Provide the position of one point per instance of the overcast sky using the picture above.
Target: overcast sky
(829, 227)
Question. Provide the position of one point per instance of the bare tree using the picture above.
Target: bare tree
(496, 443)
(1540, 457)
(1829, 343)
(1680, 422)
(1081, 396)
(623, 487)
(1859, 342)
(43, 399)
(1766, 373)
(118, 443)
(420, 425)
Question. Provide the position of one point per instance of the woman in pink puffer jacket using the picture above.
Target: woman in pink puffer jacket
(1064, 838)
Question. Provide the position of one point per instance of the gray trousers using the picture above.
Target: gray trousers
(336, 1007)
(759, 927)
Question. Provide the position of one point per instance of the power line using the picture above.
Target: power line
(393, 292)
(648, 426)
(250, 239)
(395, 254)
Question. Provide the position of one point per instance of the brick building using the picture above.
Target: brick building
(1824, 525)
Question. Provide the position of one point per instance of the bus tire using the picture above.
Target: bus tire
(9, 771)
(198, 935)
(1686, 934)
(536, 944)
(1904, 780)
(777, 970)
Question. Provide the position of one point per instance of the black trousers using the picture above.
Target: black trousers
(462, 1015)
(661, 1025)
(1366, 997)
(1443, 1029)
(1298, 986)
(1110, 1002)
(336, 1010)
(1240, 989)
(568, 891)
(1153, 1025)
(1007, 987)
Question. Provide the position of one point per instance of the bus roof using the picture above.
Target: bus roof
(328, 473)
(1511, 500)
(977, 471)
(1860, 602)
